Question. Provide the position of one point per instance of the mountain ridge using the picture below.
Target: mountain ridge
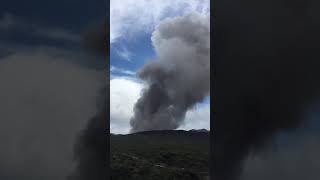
(167, 131)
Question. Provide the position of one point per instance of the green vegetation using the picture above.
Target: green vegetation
(160, 155)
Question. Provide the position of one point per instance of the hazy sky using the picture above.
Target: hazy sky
(131, 27)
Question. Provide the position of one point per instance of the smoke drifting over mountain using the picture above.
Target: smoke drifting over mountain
(179, 78)
(91, 148)
(266, 73)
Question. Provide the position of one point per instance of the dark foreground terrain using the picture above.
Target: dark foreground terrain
(160, 155)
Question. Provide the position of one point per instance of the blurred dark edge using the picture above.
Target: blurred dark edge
(212, 75)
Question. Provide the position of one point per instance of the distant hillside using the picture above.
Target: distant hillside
(160, 155)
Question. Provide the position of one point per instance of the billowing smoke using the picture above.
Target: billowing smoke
(91, 148)
(266, 73)
(179, 78)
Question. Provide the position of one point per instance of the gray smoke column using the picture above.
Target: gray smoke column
(179, 78)
(90, 151)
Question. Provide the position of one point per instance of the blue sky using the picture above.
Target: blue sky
(138, 51)
(131, 25)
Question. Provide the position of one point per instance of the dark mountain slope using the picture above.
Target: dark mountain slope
(165, 155)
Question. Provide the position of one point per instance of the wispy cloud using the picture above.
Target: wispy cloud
(114, 69)
(10, 22)
(58, 34)
(127, 17)
(7, 21)
(124, 53)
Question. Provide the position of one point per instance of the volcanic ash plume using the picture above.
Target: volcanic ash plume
(179, 78)
(91, 146)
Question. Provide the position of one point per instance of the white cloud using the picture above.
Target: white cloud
(123, 95)
(127, 17)
(124, 92)
(115, 69)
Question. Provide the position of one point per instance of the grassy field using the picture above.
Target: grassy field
(160, 155)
